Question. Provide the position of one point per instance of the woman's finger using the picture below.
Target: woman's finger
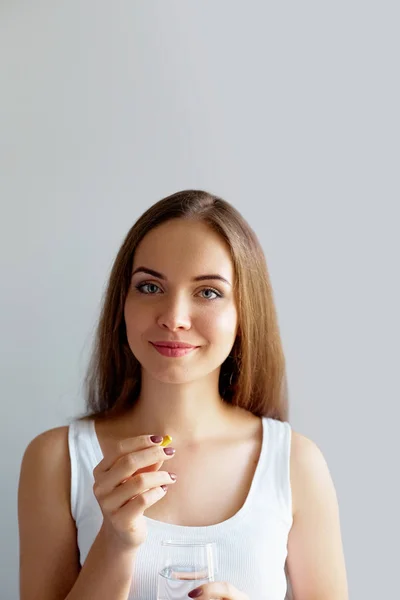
(218, 590)
(134, 486)
(129, 464)
(124, 447)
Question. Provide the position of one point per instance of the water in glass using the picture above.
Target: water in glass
(175, 582)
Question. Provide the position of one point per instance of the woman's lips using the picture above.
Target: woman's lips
(173, 352)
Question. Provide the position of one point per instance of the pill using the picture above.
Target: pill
(167, 439)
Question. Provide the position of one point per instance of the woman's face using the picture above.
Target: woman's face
(166, 303)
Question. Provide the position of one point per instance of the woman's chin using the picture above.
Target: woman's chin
(173, 376)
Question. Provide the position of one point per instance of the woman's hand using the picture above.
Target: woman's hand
(126, 483)
(219, 590)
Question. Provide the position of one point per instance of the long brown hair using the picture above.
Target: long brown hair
(254, 374)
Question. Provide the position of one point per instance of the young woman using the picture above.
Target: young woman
(188, 346)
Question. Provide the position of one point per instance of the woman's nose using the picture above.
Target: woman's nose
(174, 314)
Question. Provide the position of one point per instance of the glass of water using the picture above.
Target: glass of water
(183, 567)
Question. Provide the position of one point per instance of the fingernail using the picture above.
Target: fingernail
(164, 487)
(173, 476)
(195, 593)
(156, 439)
(169, 451)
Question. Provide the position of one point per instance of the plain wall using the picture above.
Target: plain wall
(290, 111)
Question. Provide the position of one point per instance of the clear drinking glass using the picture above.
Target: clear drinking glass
(183, 567)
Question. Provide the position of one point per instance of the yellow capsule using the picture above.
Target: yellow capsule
(167, 439)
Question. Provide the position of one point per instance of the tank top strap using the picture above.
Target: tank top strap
(273, 482)
(83, 459)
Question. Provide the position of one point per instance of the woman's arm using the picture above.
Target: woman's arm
(49, 556)
(315, 562)
(106, 573)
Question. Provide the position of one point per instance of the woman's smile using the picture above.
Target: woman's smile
(173, 352)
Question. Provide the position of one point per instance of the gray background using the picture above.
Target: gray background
(288, 110)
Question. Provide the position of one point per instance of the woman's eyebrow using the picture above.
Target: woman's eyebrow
(161, 276)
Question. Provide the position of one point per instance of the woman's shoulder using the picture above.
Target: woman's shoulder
(45, 472)
(56, 435)
(308, 467)
(306, 458)
(315, 555)
(48, 450)
(46, 526)
(304, 451)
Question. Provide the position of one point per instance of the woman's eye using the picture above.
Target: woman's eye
(150, 288)
(208, 291)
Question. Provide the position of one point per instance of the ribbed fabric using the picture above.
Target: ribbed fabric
(251, 545)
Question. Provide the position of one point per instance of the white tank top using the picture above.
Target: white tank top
(251, 545)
